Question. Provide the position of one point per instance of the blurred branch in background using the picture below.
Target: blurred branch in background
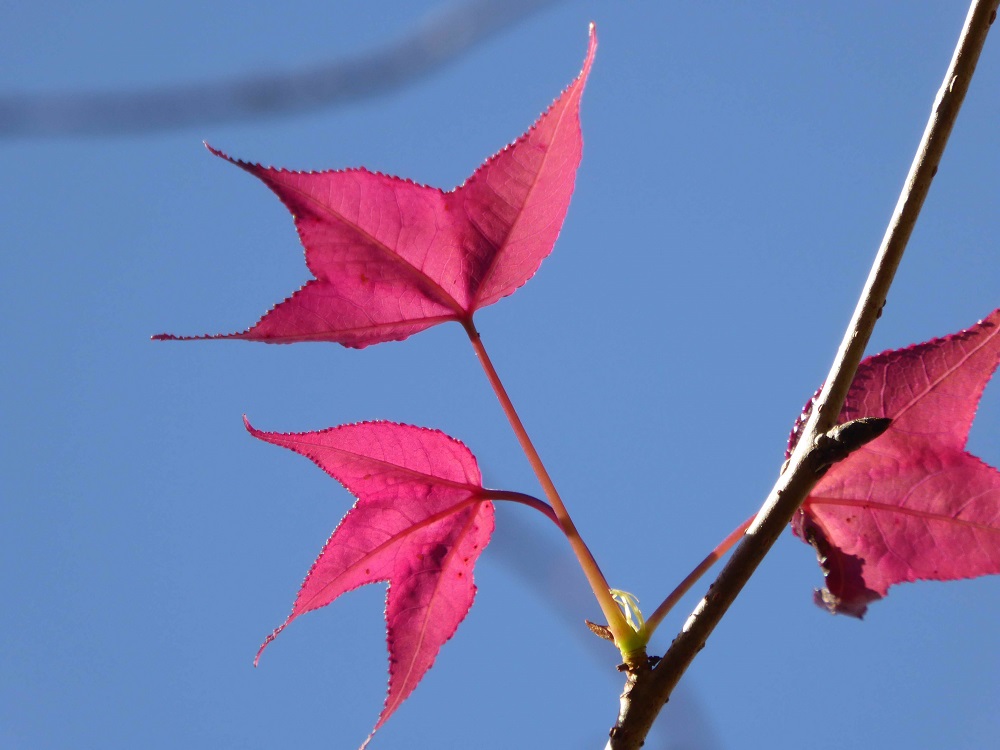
(440, 38)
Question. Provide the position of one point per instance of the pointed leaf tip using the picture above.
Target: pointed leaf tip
(591, 47)
(391, 258)
(913, 504)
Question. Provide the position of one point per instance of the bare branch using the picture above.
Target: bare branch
(647, 690)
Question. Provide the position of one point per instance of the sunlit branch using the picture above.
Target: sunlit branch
(648, 689)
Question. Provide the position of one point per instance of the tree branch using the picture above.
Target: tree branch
(648, 689)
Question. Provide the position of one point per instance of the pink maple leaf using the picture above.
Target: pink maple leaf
(913, 504)
(391, 258)
(420, 523)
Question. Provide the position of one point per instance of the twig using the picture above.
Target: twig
(648, 689)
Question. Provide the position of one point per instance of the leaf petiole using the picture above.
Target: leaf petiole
(530, 500)
(684, 586)
(625, 636)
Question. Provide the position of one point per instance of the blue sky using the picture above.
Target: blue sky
(739, 167)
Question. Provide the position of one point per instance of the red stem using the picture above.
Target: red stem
(519, 497)
(684, 586)
(621, 630)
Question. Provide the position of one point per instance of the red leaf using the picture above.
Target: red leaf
(420, 523)
(391, 257)
(912, 504)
